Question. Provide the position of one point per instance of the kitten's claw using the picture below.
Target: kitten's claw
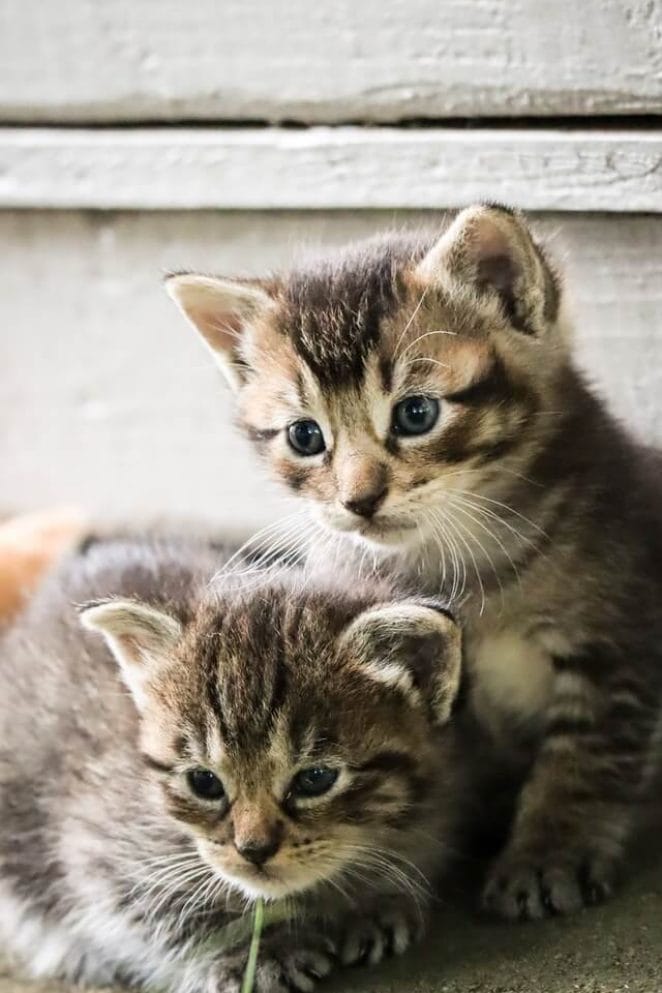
(390, 931)
(525, 888)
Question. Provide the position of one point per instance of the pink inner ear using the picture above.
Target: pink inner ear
(221, 328)
(219, 309)
(131, 649)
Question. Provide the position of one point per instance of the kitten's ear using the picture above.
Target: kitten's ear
(140, 637)
(221, 310)
(491, 248)
(413, 646)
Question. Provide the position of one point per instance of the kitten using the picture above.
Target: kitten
(420, 395)
(275, 741)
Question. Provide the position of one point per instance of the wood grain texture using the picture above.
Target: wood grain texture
(109, 400)
(330, 168)
(274, 60)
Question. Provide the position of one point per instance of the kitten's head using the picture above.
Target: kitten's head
(297, 735)
(400, 373)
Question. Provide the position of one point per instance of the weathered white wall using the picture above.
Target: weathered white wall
(371, 60)
(108, 400)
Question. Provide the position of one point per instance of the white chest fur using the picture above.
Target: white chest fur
(512, 677)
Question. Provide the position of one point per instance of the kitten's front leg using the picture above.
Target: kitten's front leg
(295, 959)
(576, 810)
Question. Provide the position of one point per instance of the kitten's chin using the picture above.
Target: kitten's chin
(388, 540)
(384, 536)
(261, 885)
(268, 884)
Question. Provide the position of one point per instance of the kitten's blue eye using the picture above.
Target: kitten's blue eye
(313, 782)
(415, 415)
(205, 784)
(306, 437)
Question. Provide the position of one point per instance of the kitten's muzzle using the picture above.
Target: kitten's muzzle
(368, 504)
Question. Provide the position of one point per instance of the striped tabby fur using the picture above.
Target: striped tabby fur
(113, 868)
(526, 503)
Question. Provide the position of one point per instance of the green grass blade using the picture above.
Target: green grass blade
(251, 965)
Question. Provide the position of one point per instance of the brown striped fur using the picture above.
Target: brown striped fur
(527, 504)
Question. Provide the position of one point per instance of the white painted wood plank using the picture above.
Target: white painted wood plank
(108, 399)
(330, 168)
(275, 60)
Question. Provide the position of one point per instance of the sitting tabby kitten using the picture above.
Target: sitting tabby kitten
(421, 396)
(274, 742)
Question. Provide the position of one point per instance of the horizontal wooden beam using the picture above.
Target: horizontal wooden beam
(329, 168)
(78, 61)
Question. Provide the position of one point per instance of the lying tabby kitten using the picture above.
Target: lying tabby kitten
(274, 742)
(421, 396)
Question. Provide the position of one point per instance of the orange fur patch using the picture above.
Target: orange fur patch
(29, 545)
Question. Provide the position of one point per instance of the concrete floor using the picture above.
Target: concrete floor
(616, 948)
(610, 949)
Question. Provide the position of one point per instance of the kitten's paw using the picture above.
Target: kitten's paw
(525, 888)
(286, 969)
(295, 968)
(390, 930)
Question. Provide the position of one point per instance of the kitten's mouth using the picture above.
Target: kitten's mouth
(260, 882)
(381, 532)
(269, 883)
(389, 533)
(384, 534)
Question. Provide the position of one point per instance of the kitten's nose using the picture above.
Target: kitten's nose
(258, 852)
(367, 505)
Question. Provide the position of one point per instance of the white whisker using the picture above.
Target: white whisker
(426, 334)
(459, 508)
(460, 568)
(425, 358)
(410, 321)
(500, 520)
(504, 506)
(461, 531)
(286, 526)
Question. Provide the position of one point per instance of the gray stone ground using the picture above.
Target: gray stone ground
(616, 948)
